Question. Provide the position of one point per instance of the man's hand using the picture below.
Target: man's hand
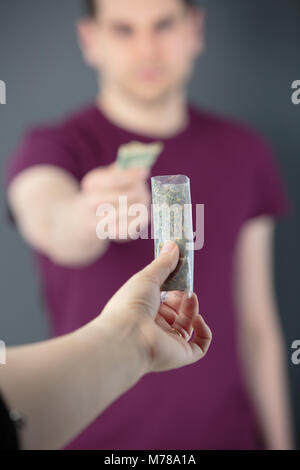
(106, 185)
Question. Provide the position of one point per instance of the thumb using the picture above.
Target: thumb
(161, 268)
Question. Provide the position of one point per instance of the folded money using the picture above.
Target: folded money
(138, 155)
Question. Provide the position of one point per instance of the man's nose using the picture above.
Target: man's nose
(147, 46)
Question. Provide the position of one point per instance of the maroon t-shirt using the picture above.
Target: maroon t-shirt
(232, 172)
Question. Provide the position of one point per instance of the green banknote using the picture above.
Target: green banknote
(138, 155)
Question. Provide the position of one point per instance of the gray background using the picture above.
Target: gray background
(251, 60)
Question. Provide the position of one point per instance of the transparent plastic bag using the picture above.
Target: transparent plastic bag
(172, 220)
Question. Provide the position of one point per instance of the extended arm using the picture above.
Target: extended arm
(57, 215)
(54, 216)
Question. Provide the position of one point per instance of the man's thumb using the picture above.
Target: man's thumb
(165, 264)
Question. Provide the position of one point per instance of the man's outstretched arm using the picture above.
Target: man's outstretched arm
(57, 215)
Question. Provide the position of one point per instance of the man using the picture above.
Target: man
(144, 53)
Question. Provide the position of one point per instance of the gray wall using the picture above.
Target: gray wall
(251, 60)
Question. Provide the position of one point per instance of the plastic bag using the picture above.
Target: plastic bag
(172, 220)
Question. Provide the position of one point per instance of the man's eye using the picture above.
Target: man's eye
(123, 31)
(165, 26)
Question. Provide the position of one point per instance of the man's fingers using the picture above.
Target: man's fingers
(113, 198)
(114, 178)
(160, 269)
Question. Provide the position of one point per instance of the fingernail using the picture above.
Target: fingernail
(168, 247)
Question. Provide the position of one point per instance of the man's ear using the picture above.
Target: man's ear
(198, 16)
(86, 34)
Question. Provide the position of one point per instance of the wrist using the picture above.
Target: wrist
(123, 346)
(130, 343)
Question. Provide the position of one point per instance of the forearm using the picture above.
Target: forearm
(53, 216)
(72, 238)
(60, 228)
(62, 385)
(264, 361)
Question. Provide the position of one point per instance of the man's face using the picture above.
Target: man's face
(145, 48)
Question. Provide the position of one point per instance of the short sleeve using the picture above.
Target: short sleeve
(42, 146)
(269, 194)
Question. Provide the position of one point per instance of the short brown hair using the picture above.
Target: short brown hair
(90, 6)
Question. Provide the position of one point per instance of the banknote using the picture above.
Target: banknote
(137, 154)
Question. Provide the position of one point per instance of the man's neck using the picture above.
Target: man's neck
(162, 120)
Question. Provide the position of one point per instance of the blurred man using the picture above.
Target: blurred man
(144, 52)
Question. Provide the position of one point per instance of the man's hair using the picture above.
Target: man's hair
(90, 6)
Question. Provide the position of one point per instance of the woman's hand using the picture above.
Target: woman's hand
(93, 366)
(161, 332)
